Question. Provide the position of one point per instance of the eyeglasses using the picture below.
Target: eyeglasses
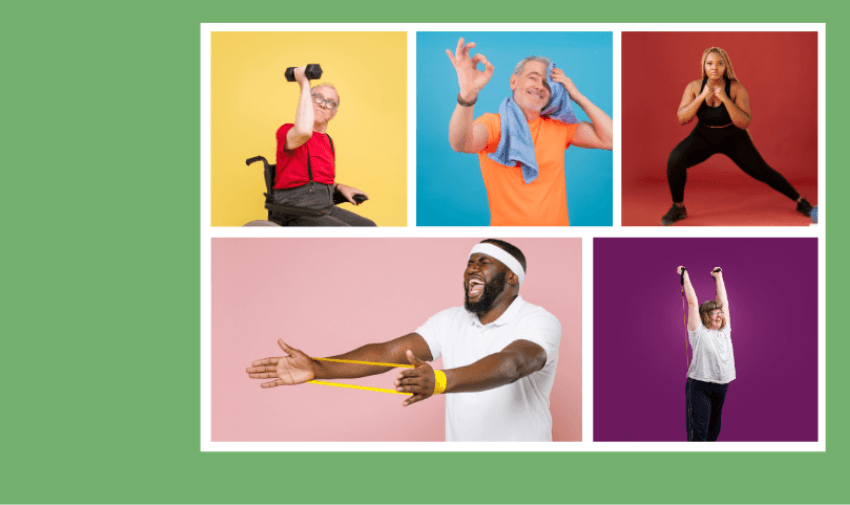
(715, 313)
(325, 102)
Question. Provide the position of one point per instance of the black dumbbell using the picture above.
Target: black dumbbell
(313, 71)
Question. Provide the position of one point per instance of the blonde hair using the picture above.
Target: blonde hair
(729, 72)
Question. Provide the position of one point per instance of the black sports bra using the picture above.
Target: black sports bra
(714, 116)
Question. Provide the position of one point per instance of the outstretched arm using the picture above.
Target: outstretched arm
(721, 298)
(599, 132)
(464, 135)
(298, 367)
(517, 360)
(693, 304)
(304, 115)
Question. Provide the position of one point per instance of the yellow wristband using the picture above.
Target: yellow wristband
(440, 384)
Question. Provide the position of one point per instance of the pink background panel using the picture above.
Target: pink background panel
(328, 296)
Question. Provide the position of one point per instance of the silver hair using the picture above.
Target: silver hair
(338, 99)
(521, 64)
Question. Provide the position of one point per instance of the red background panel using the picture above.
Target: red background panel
(779, 72)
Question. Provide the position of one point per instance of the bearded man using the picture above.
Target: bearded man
(500, 354)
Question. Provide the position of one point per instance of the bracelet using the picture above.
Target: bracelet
(440, 384)
(466, 104)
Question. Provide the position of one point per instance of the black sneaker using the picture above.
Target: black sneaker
(804, 207)
(675, 213)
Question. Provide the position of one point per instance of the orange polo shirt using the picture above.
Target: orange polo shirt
(512, 201)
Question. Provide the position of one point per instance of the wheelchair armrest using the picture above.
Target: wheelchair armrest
(338, 198)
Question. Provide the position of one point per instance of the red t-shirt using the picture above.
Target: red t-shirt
(292, 165)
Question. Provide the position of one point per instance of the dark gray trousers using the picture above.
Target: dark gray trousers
(317, 196)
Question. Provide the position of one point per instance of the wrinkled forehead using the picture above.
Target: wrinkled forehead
(327, 92)
(480, 256)
(534, 66)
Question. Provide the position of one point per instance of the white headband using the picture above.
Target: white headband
(500, 254)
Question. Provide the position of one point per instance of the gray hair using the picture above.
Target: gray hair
(329, 85)
(521, 64)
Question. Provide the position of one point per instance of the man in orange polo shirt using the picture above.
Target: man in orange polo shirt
(513, 202)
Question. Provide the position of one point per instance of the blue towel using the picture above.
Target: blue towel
(516, 145)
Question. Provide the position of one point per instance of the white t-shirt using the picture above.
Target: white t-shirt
(516, 411)
(713, 360)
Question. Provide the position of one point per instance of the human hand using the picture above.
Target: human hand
(295, 368)
(560, 77)
(720, 93)
(301, 76)
(470, 80)
(348, 192)
(680, 270)
(706, 90)
(717, 273)
(419, 380)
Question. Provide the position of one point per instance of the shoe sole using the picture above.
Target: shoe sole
(672, 222)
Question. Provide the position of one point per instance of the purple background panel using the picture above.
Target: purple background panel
(326, 296)
(640, 336)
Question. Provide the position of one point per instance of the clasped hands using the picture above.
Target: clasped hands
(718, 92)
(297, 368)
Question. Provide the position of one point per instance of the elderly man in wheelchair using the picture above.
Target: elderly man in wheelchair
(300, 187)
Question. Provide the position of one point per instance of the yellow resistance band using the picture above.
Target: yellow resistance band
(364, 388)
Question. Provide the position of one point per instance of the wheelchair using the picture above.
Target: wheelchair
(278, 211)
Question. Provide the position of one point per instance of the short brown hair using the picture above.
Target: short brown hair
(706, 308)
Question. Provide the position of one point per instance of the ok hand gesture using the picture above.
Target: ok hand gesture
(469, 78)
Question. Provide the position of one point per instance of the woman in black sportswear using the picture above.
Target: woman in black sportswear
(722, 106)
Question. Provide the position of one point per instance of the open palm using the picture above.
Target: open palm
(295, 368)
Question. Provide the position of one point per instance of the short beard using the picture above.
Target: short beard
(491, 291)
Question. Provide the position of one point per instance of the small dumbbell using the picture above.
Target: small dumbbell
(313, 71)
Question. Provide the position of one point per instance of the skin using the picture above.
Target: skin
(517, 360)
(714, 95)
(530, 94)
(312, 117)
(717, 316)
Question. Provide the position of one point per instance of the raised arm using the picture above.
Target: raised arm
(304, 115)
(298, 367)
(691, 101)
(464, 135)
(599, 132)
(739, 109)
(517, 360)
(693, 304)
(721, 298)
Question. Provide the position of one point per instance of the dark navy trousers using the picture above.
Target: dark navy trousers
(704, 407)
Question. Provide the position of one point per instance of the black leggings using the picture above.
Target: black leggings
(704, 142)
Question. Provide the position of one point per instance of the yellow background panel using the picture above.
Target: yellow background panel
(251, 99)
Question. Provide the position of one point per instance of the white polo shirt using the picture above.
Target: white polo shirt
(713, 360)
(514, 412)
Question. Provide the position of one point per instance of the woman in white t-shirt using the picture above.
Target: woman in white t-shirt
(713, 364)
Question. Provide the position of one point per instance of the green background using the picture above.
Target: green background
(101, 280)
